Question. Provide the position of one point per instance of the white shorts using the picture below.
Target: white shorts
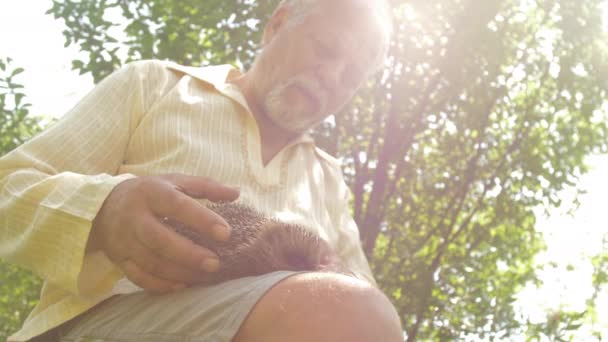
(212, 314)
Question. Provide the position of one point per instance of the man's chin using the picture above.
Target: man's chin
(289, 118)
(290, 126)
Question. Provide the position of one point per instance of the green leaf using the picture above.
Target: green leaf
(18, 98)
(17, 72)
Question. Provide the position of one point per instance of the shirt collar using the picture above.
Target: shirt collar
(216, 75)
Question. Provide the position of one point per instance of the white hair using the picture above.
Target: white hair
(300, 9)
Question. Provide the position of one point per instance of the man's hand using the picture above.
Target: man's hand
(129, 229)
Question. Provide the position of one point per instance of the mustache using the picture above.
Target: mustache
(310, 88)
(275, 104)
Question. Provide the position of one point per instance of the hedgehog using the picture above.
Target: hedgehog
(260, 245)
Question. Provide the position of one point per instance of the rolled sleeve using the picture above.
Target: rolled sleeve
(52, 187)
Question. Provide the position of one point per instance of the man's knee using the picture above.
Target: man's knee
(322, 307)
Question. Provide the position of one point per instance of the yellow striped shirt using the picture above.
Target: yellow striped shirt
(151, 118)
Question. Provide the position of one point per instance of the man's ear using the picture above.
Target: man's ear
(276, 22)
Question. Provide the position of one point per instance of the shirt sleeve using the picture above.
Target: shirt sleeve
(349, 248)
(346, 239)
(52, 187)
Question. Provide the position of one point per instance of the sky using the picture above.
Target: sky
(52, 89)
(571, 240)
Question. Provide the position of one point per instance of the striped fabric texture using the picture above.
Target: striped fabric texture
(150, 118)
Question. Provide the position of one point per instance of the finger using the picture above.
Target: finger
(171, 245)
(202, 187)
(155, 265)
(190, 213)
(147, 281)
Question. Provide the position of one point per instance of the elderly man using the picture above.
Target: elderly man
(83, 203)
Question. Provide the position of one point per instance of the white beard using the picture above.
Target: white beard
(295, 118)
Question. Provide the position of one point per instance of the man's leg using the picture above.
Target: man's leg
(290, 307)
(322, 307)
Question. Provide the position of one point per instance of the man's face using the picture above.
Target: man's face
(309, 71)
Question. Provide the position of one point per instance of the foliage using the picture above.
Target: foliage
(485, 110)
(563, 324)
(19, 292)
(559, 326)
(19, 289)
(15, 124)
(487, 126)
(600, 284)
(190, 32)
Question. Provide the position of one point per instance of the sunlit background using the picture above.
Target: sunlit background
(35, 42)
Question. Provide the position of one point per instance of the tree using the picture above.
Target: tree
(562, 324)
(485, 110)
(19, 289)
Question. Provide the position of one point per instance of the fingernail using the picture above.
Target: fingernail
(221, 232)
(210, 264)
